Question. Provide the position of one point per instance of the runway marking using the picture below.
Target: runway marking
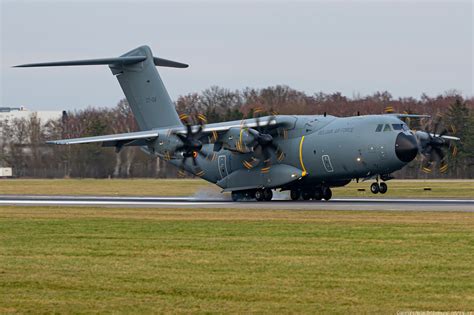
(107, 203)
(388, 204)
(406, 200)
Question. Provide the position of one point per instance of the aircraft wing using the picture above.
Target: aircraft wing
(249, 123)
(410, 116)
(137, 138)
(140, 137)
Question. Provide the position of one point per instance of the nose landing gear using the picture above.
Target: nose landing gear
(327, 193)
(295, 194)
(376, 188)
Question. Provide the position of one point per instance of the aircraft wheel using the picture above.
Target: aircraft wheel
(306, 195)
(375, 188)
(327, 193)
(383, 188)
(295, 194)
(318, 194)
(236, 196)
(267, 194)
(259, 195)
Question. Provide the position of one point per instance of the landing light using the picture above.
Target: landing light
(358, 159)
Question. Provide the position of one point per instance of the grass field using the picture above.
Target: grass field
(105, 260)
(188, 187)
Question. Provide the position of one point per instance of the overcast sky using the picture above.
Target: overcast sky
(354, 47)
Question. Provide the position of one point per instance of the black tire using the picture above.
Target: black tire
(267, 194)
(306, 195)
(383, 188)
(295, 194)
(236, 196)
(327, 193)
(259, 195)
(318, 194)
(374, 188)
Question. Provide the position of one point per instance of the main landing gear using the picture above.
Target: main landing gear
(263, 194)
(376, 188)
(259, 194)
(315, 194)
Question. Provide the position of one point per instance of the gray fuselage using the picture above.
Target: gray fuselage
(326, 149)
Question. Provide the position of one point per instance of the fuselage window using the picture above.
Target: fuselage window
(379, 128)
(387, 128)
(397, 126)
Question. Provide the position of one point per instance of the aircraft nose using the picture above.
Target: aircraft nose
(406, 147)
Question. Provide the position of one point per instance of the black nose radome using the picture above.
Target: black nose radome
(406, 147)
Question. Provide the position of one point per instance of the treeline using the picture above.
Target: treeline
(22, 141)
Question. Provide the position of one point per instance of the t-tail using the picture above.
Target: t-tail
(141, 84)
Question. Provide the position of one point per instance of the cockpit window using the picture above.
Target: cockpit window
(400, 127)
(379, 128)
(387, 128)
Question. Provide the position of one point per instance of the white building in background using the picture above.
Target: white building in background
(10, 113)
(7, 118)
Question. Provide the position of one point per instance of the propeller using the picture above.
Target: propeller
(191, 144)
(262, 144)
(434, 146)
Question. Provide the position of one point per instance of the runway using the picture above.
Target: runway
(392, 204)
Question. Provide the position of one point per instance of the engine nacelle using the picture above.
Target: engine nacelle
(236, 139)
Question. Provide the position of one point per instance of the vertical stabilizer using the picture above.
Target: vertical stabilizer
(145, 91)
(141, 83)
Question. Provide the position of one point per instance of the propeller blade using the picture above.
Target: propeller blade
(443, 166)
(444, 132)
(189, 129)
(198, 132)
(181, 137)
(266, 154)
(439, 154)
(437, 124)
(279, 154)
(214, 137)
(453, 129)
(202, 119)
(454, 150)
(257, 121)
(199, 172)
(273, 146)
(179, 148)
(426, 166)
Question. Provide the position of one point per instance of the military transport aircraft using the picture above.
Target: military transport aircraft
(306, 155)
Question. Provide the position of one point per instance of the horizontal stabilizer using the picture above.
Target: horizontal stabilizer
(126, 60)
(168, 63)
(88, 62)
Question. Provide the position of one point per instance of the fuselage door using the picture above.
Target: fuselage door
(222, 166)
(327, 163)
